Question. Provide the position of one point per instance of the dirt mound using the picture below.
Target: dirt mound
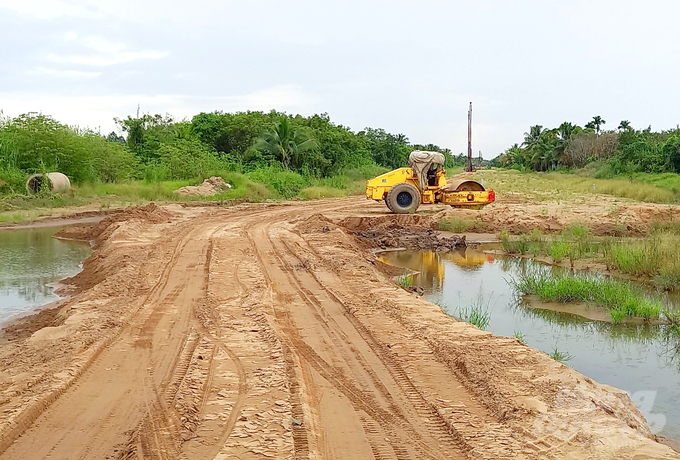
(151, 213)
(98, 234)
(602, 216)
(401, 231)
(389, 221)
(316, 223)
(209, 187)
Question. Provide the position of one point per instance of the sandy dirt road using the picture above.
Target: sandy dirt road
(267, 332)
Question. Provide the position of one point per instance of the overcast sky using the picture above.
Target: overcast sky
(408, 66)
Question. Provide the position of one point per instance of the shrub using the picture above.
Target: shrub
(287, 184)
(184, 159)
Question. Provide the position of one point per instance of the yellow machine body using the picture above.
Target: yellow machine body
(459, 194)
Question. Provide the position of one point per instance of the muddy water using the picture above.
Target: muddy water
(641, 359)
(31, 262)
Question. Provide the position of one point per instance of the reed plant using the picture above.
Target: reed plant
(476, 313)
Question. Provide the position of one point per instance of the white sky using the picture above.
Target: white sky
(406, 66)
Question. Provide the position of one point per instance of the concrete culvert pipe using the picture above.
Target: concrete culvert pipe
(57, 182)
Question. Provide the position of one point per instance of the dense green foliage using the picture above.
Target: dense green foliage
(287, 153)
(624, 151)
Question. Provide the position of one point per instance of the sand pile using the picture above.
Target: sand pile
(209, 187)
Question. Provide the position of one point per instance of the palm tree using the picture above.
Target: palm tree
(285, 143)
(566, 130)
(596, 123)
(531, 138)
(401, 139)
(513, 155)
(625, 125)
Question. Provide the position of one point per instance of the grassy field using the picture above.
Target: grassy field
(267, 184)
(650, 188)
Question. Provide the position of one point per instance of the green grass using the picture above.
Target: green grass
(673, 317)
(657, 256)
(621, 299)
(560, 356)
(558, 250)
(575, 242)
(564, 186)
(260, 185)
(520, 336)
(460, 225)
(476, 313)
(405, 281)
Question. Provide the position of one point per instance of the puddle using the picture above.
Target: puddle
(642, 359)
(31, 262)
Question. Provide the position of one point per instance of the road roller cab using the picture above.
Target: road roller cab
(424, 182)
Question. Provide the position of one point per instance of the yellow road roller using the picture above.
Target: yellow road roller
(424, 182)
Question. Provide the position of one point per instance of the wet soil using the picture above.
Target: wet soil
(402, 231)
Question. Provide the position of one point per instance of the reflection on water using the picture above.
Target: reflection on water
(30, 260)
(639, 357)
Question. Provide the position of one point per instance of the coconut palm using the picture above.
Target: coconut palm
(625, 125)
(285, 143)
(596, 123)
(531, 138)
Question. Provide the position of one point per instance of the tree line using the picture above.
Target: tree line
(621, 151)
(159, 147)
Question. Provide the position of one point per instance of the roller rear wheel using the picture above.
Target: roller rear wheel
(404, 198)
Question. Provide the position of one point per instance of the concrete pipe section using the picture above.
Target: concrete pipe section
(57, 182)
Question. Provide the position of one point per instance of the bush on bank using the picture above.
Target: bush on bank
(264, 155)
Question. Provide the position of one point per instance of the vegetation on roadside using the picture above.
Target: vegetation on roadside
(620, 298)
(620, 152)
(264, 156)
(563, 188)
(575, 242)
(642, 164)
(656, 256)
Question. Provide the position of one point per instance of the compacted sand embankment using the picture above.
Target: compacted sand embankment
(269, 331)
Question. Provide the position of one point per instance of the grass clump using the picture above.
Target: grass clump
(476, 313)
(460, 225)
(520, 336)
(619, 298)
(673, 317)
(562, 357)
(657, 256)
(559, 250)
(405, 281)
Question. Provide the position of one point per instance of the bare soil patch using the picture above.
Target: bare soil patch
(269, 332)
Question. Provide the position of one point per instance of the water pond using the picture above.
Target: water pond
(31, 262)
(641, 359)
